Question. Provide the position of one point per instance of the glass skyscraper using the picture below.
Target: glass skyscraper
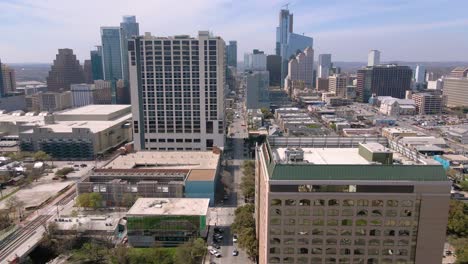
(96, 63)
(287, 42)
(231, 53)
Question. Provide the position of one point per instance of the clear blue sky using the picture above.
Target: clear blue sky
(422, 30)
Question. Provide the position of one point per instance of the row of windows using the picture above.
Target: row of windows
(343, 251)
(344, 241)
(172, 140)
(334, 232)
(333, 260)
(405, 212)
(346, 202)
(343, 222)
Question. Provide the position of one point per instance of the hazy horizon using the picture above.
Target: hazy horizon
(418, 30)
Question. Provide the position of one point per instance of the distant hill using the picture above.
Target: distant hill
(30, 71)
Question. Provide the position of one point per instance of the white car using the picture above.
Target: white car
(213, 251)
(234, 238)
(217, 254)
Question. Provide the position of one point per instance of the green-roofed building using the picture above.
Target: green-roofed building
(320, 202)
(166, 222)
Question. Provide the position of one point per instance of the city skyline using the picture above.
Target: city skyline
(400, 29)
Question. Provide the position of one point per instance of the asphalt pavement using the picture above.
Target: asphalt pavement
(222, 215)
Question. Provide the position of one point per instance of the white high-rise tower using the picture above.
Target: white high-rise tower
(373, 58)
(177, 85)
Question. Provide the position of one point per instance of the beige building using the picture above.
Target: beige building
(324, 204)
(337, 84)
(179, 103)
(428, 104)
(81, 133)
(9, 79)
(53, 101)
(456, 90)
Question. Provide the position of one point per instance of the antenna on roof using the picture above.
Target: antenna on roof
(287, 6)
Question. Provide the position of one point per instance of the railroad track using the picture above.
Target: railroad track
(65, 200)
(16, 239)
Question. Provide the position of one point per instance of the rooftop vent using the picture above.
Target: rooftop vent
(294, 155)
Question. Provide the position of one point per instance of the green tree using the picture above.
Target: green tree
(128, 200)
(458, 219)
(92, 252)
(83, 200)
(41, 156)
(248, 242)
(95, 200)
(267, 114)
(190, 252)
(248, 180)
(464, 185)
(461, 249)
(120, 255)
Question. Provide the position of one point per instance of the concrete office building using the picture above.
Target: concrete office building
(301, 68)
(256, 90)
(459, 72)
(326, 203)
(7, 80)
(288, 42)
(191, 174)
(231, 53)
(337, 84)
(324, 65)
(274, 68)
(13, 102)
(429, 104)
(81, 133)
(255, 61)
(456, 90)
(54, 101)
(383, 80)
(322, 84)
(102, 93)
(96, 63)
(178, 98)
(65, 71)
(435, 85)
(88, 71)
(373, 58)
(168, 222)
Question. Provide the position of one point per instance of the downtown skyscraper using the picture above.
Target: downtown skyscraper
(65, 71)
(231, 53)
(115, 56)
(288, 43)
(177, 85)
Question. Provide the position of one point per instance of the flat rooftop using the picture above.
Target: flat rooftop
(94, 126)
(95, 110)
(169, 206)
(325, 156)
(93, 113)
(334, 158)
(166, 160)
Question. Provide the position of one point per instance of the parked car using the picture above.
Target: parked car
(217, 254)
(235, 252)
(213, 251)
(234, 238)
(216, 246)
